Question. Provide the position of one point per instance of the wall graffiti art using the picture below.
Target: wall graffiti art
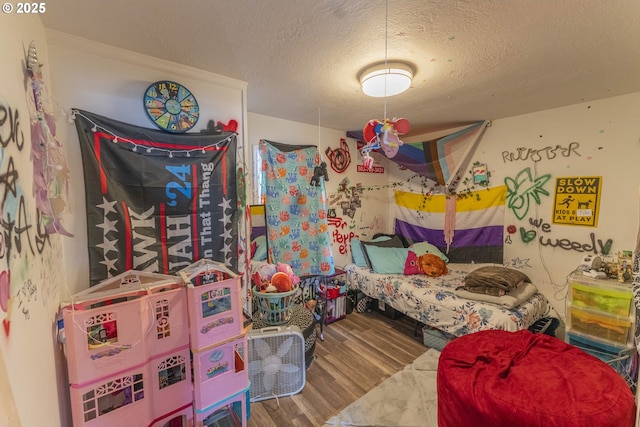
(342, 234)
(594, 245)
(577, 200)
(518, 263)
(523, 189)
(539, 154)
(339, 158)
(22, 232)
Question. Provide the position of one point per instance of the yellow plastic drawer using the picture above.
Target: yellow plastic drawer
(612, 301)
(611, 328)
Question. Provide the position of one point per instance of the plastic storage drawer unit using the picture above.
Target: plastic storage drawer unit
(592, 295)
(603, 351)
(610, 328)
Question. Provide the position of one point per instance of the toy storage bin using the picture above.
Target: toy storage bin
(220, 371)
(213, 302)
(230, 412)
(610, 328)
(171, 320)
(602, 295)
(170, 379)
(118, 400)
(183, 417)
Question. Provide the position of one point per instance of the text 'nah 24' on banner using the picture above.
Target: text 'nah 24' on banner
(577, 200)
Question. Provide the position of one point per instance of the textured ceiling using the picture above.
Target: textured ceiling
(475, 59)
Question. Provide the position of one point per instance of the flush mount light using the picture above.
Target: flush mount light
(386, 79)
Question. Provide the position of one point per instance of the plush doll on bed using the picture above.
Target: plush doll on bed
(432, 265)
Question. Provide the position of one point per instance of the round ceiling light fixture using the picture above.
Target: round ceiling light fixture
(386, 79)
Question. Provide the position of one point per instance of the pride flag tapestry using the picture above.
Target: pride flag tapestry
(440, 159)
(471, 230)
(297, 224)
(156, 201)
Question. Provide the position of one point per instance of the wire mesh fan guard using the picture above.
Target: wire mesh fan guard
(276, 362)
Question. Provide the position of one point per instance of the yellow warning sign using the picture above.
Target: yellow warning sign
(577, 200)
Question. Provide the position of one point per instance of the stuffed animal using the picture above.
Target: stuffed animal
(432, 265)
(319, 172)
(281, 282)
(286, 268)
(263, 274)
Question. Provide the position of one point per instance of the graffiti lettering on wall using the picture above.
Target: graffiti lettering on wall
(343, 233)
(577, 200)
(523, 189)
(20, 233)
(536, 155)
(597, 246)
(340, 158)
(10, 125)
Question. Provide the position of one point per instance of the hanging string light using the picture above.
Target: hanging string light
(117, 139)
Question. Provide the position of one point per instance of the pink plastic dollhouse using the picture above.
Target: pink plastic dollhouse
(134, 341)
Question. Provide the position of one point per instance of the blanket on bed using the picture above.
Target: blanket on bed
(494, 280)
(513, 299)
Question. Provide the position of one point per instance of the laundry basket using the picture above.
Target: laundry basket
(275, 308)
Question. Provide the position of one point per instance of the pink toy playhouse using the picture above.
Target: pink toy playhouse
(127, 347)
(214, 305)
(232, 411)
(220, 371)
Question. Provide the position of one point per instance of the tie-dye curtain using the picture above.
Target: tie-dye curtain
(296, 210)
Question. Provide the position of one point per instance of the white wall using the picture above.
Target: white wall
(31, 372)
(604, 141)
(371, 215)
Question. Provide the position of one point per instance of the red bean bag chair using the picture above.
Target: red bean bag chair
(521, 379)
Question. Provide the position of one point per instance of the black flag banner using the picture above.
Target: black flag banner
(156, 202)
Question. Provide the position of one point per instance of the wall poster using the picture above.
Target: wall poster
(577, 200)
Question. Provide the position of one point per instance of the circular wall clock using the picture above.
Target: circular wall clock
(171, 106)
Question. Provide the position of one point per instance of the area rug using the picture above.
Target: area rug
(406, 399)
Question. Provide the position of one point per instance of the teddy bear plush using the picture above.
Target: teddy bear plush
(432, 265)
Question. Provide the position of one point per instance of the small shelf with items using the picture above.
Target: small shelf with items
(331, 296)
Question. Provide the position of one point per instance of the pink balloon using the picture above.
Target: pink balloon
(402, 126)
(391, 144)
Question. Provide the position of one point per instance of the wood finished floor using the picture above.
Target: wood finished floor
(358, 353)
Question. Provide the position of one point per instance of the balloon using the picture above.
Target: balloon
(391, 144)
(402, 126)
(369, 132)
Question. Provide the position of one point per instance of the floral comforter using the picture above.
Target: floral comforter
(431, 300)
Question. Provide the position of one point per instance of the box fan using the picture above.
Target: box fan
(276, 362)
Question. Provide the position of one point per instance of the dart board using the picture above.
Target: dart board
(171, 106)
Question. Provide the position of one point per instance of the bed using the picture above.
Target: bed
(437, 302)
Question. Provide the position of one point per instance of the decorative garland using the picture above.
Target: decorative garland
(51, 174)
